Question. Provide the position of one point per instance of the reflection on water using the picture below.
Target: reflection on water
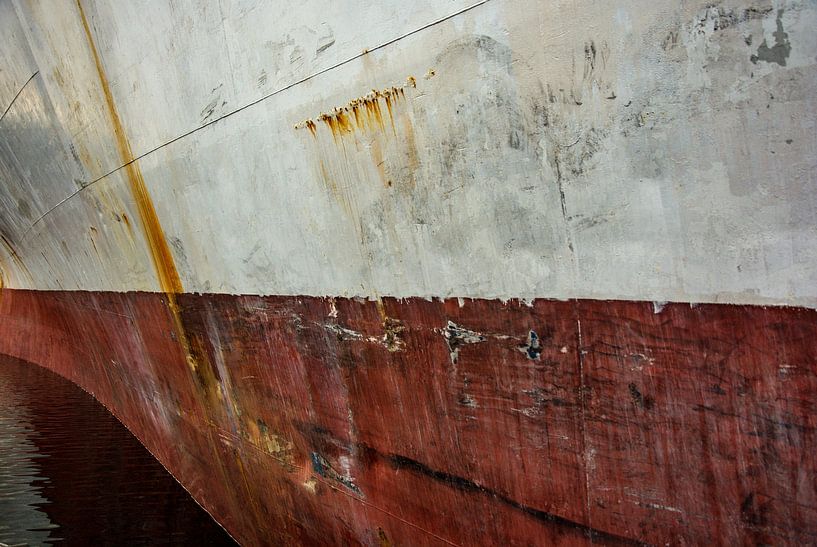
(70, 473)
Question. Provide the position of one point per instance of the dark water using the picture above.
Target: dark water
(71, 474)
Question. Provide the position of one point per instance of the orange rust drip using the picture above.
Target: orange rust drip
(373, 111)
(343, 121)
(358, 119)
(387, 96)
(340, 120)
(331, 123)
(165, 267)
(163, 262)
(209, 383)
(14, 256)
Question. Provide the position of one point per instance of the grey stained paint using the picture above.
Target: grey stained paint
(779, 52)
(658, 151)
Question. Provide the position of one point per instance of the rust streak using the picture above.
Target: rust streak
(365, 110)
(387, 96)
(163, 262)
(194, 350)
(15, 257)
(312, 128)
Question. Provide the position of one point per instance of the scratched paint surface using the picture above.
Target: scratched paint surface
(614, 156)
(563, 421)
(638, 150)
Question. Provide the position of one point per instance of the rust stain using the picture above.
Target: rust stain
(391, 329)
(58, 77)
(612, 332)
(163, 262)
(387, 98)
(379, 162)
(361, 127)
(93, 232)
(361, 113)
(413, 161)
(194, 348)
(312, 127)
(330, 182)
(15, 257)
(360, 121)
(278, 447)
(85, 157)
(373, 110)
(383, 539)
(344, 124)
(126, 220)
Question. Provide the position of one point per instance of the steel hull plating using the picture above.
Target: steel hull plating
(433, 422)
(567, 168)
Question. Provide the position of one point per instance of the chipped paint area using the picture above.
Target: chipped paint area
(275, 445)
(542, 195)
(321, 433)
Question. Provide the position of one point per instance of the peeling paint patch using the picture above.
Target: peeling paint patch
(275, 445)
(344, 334)
(324, 469)
(781, 49)
(311, 485)
(390, 339)
(640, 400)
(456, 337)
(715, 19)
(660, 507)
(533, 348)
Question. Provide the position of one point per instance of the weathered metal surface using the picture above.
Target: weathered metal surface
(645, 151)
(434, 422)
(638, 150)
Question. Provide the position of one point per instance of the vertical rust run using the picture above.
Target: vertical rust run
(194, 348)
(163, 262)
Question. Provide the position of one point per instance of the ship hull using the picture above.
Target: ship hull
(621, 193)
(452, 421)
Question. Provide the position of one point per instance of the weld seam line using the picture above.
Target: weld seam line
(259, 100)
(6, 111)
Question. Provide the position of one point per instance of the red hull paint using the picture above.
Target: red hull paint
(387, 424)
